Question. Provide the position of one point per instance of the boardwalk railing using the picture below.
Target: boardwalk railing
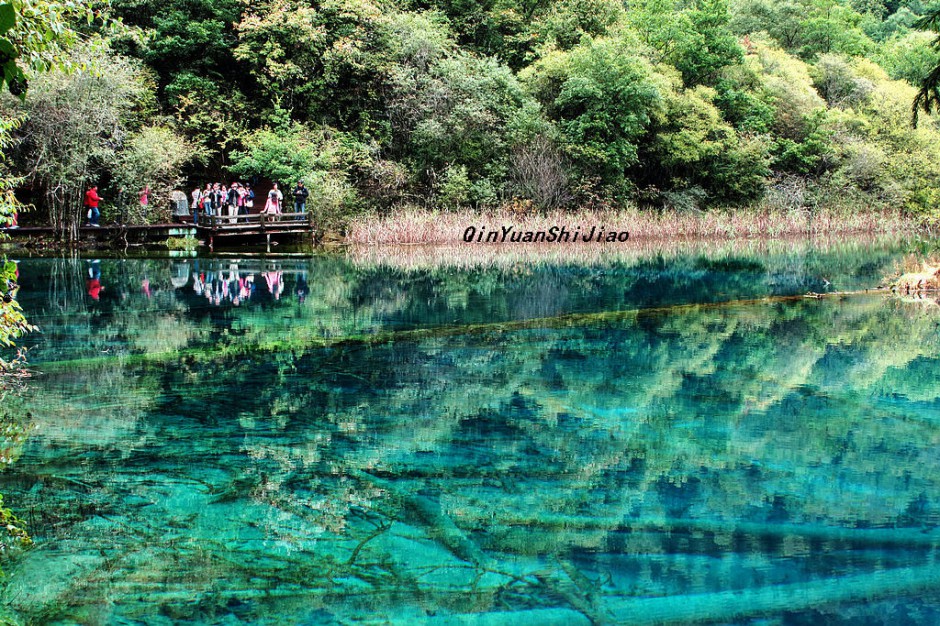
(257, 225)
(259, 222)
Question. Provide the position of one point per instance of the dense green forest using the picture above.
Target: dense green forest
(443, 104)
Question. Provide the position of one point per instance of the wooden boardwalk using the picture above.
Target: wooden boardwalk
(254, 228)
(257, 226)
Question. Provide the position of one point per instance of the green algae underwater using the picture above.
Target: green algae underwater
(418, 438)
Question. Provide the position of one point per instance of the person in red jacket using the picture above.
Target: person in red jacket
(91, 203)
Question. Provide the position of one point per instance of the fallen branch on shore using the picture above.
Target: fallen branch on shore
(928, 279)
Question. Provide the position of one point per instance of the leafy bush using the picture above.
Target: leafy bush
(602, 96)
(458, 110)
(151, 158)
(321, 157)
(76, 125)
(909, 57)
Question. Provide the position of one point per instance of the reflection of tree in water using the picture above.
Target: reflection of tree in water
(531, 469)
(578, 466)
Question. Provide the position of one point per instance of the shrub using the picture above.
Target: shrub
(151, 158)
(539, 173)
(602, 95)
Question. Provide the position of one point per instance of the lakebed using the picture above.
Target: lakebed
(406, 435)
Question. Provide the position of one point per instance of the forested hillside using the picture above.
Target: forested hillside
(478, 103)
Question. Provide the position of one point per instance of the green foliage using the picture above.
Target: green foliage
(928, 98)
(15, 533)
(76, 125)
(785, 84)
(808, 155)
(187, 35)
(806, 27)
(286, 155)
(461, 110)
(909, 57)
(693, 145)
(326, 63)
(746, 111)
(875, 149)
(13, 75)
(13, 324)
(152, 158)
(693, 37)
(283, 157)
(896, 25)
(321, 157)
(838, 83)
(602, 96)
(568, 21)
(213, 114)
(33, 36)
(454, 188)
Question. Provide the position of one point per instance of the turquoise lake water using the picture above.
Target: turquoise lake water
(416, 437)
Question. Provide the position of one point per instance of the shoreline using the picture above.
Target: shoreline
(557, 230)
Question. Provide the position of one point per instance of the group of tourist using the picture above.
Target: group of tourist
(214, 199)
(239, 199)
(217, 199)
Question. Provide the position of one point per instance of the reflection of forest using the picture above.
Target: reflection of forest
(560, 473)
(161, 306)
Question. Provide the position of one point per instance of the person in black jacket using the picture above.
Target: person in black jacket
(300, 197)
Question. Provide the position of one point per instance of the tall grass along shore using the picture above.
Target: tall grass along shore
(422, 227)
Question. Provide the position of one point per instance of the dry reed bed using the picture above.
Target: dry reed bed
(471, 256)
(422, 227)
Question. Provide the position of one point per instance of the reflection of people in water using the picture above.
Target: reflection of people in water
(93, 284)
(230, 283)
(275, 280)
(302, 288)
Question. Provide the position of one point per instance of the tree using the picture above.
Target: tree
(321, 157)
(690, 144)
(602, 95)
(34, 35)
(151, 158)
(909, 57)
(462, 111)
(693, 37)
(325, 63)
(76, 124)
(928, 96)
(805, 27)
